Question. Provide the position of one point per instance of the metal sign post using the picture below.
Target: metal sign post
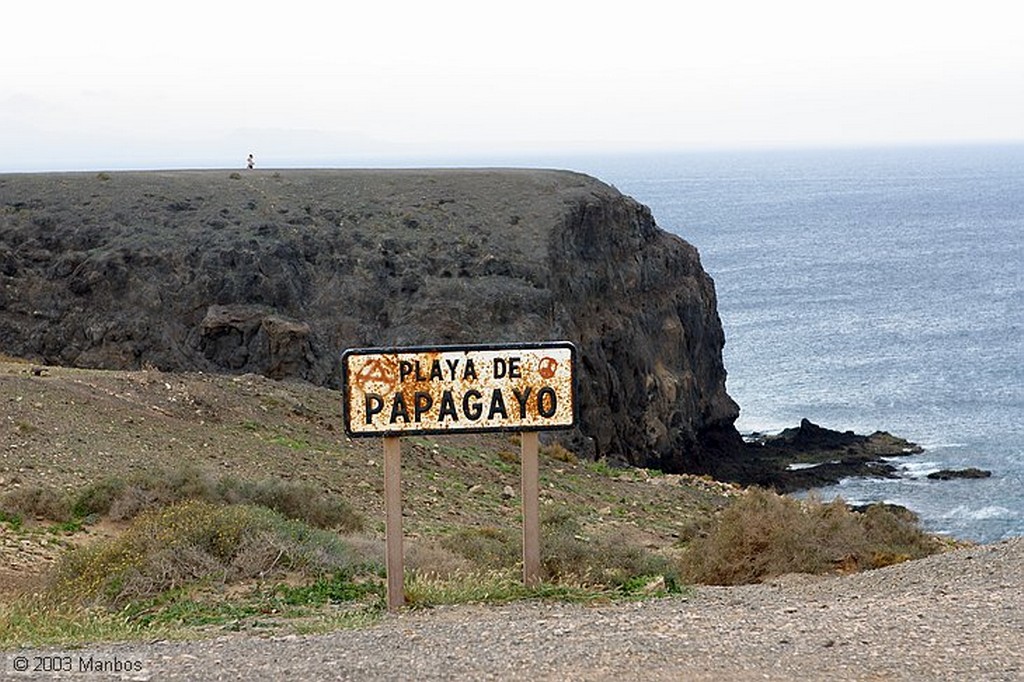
(392, 392)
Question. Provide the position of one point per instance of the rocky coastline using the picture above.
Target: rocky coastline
(811, 456)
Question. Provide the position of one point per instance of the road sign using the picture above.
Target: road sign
(392, 392)
(445, 389)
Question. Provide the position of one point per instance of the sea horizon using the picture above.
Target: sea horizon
(592, 161)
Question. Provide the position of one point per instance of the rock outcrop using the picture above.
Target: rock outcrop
(811, 456)
(954, 474)
(279, 272)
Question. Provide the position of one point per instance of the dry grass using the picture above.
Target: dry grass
(569, 555)
(559, 453)
(762, 534)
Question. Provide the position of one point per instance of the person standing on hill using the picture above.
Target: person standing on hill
(250, 163)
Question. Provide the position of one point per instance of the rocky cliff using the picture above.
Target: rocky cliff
(278, 272)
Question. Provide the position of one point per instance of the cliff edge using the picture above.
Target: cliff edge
(277, 273)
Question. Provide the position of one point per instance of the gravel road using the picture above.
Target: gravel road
(956, 616)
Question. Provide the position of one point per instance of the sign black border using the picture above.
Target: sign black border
(458, 348)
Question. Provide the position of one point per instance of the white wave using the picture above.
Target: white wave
(917, 469)
(988, 512)
(797, 466)
(940, 445)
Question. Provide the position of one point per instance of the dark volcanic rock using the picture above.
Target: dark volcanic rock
(809, 438)
(279, 272)
(950, 474)
(811, 456)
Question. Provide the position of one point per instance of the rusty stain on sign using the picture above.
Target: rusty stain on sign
(402, 391)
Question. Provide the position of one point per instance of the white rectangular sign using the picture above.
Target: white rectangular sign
(401, 391)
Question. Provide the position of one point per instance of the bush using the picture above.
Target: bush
(123, 500)
(98, 498)
(301, 501)
(762, 534)
(429, 560)
(34, 502)
(559, 453)
(192, 542)
(487, 547)
(13, 520)
(568, 556)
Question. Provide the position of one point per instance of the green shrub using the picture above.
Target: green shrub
(36, 502)
(334, 589)
(11, 519)
(123, 500)
(97, 498)
(762, 534)
(568, 556)
(488, 547)
(301, 501)
(429, 559)
(193, 542)
(610, 559)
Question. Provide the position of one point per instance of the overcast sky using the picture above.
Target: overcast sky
(91, 85)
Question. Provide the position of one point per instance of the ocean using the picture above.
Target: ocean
(873, 289)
